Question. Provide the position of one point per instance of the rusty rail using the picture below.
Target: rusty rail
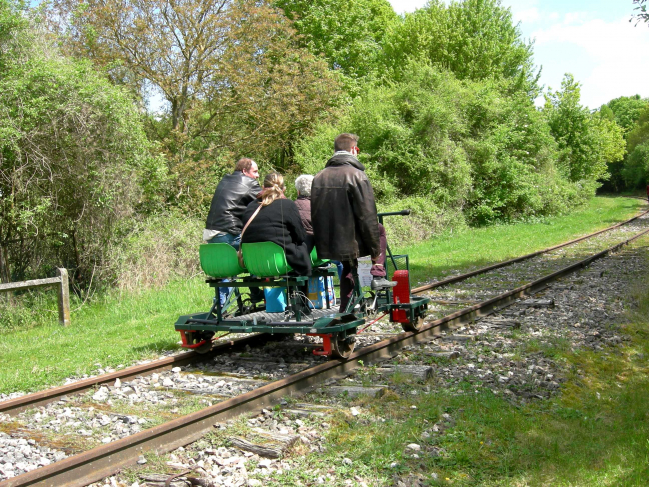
(15, 406)
(462, 277)
(64, 291)
(105, 460)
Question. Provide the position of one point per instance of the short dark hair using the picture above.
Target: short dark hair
(345, 142)
(243, 165)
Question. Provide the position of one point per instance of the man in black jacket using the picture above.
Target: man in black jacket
(343, 212)
(232, 196)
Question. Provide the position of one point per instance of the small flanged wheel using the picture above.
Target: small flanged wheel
(197, 337)
(342, 346)
(414, 326)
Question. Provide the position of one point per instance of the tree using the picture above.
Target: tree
(626, 110)
(641, 12)
(475, 39)
(74, 159)
(235, 81)
(586, 142)
(348, 33)
(639, 133)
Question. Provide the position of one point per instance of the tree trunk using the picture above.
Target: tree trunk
(5, 274)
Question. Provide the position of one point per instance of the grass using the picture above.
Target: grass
(117, 329)
(595, 433)
(479, 247)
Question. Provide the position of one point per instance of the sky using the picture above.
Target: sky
(592, 39)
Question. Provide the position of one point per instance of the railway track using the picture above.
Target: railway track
(299, 372)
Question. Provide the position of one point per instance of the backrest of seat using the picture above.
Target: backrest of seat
(315, 261)
(219, 260)
(265, 259)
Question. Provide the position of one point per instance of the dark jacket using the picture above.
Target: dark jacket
(303, 204)
(233, 194)
(280, 223)
(343, 211)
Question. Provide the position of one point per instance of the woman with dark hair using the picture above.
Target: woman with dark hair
(279, 222)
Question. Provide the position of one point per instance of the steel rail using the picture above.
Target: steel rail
(105, 460)
(15, 406)
(462, 277)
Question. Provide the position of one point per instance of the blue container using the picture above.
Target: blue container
(275, 299)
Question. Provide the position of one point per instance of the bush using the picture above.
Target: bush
(474, 151)
(636, 167)
(155, 251)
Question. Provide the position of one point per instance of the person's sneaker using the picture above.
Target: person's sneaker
(381, 283)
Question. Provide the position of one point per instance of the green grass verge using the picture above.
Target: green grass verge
(594, 433)
(479, 247)
(114, 330)
(117, 329)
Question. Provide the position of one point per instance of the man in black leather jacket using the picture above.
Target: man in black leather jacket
(232, 196)
(343, 213)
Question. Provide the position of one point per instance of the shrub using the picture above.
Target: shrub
(154, 251)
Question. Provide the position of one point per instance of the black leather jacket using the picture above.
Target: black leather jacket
(343, 211)
(232, 196)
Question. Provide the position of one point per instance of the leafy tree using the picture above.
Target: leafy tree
(586, 143)
(639, 133)
(475, 39)
(74, 159)
(461, 146)
(636, 167)
(349, 34)
(230, 70)
(641, 14)
(626, 110)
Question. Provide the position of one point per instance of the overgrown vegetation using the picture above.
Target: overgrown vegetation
(442, 99)
(593, 433)
(120, 327)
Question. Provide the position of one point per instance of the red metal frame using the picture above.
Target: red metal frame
(400, 295)
(186, 343)
(326, 344)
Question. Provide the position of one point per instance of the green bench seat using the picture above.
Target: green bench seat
(265, 259)
(262, 259)
(220, 260)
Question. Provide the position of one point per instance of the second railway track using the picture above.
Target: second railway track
(265, 389)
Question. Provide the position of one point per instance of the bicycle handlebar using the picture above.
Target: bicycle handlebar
(391, 213)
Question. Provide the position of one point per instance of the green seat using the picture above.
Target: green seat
(315, 261)
(265, 259)
(219, 260)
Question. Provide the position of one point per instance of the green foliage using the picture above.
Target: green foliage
(74, 159)
(639, 134)
(626, 110)
(475, 39)
(466, 147)
(586, 143)
(636, 167)
(349, 34)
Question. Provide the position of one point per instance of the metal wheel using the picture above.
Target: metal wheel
(341, 346)
(197, 337)
(413, 326)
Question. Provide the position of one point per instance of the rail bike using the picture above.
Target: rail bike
(266, 267)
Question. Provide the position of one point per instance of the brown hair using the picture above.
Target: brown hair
(345, 142)
(273, 188)
(243, 165)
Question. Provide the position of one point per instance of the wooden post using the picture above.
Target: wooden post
(64, 298)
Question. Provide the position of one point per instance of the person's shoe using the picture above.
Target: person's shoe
(381, 283)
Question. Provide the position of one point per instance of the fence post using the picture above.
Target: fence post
(64, 298)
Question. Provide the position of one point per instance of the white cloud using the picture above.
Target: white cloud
(618, 52)
(528, 15)
(401, 6)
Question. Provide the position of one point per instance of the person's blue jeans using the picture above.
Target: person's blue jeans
(235, 241)
(339, 266)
